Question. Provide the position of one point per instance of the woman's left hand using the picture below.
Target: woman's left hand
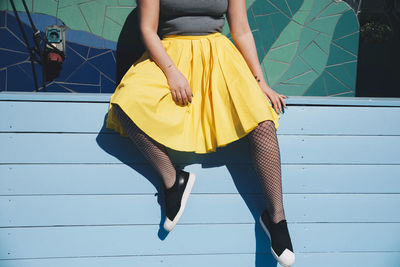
(275, 98)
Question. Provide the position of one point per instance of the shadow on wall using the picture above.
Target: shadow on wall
(130, 45)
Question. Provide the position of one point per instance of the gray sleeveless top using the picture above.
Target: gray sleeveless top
(191, 17)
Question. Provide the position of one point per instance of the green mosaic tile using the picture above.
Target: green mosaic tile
(333, 85)
(315, 57)
(338, 56)
(72, 2)
(334, 8)
(19, 6)
(263, 7)
(301, 16)
(307, 35)
(349, 42)
(289, 35)
(251, 19)
(297, 67)
(283, 53)
(72, 11)
(323, 41)
(289, 89)
(127, 2)
(347, 94)
(3, 5)
(249, 3)
(317, 7)
(111, 29)
(274, 70)
(317, 88)
(260, 49)
(94, 16)
(339, 71)
(326, 25)
(347, 24)
(118, 14)
(45, 7)
(305, 78)
(307, 5)
(266, 30)
(282, 6)
(294, 5)
(280, 21)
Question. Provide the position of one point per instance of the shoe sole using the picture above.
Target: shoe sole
(272, 250)
(168, 224)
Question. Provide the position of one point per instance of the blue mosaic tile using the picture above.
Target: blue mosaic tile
(27, 68)
(82, 88)
(85, 74)
(18, 80)
(84, 38)
(105, 64)
(54, 87)
(110, 44)
(96, 51)
(9, 58)
(107, 86)
(13, 26)
(114, 53)
(71, 63)
(80, 49)
(3, 79)
(41, 21)
(8, 41)
(2, 18)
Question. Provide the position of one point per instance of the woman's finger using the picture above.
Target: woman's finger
(184, 97)
(179, 97)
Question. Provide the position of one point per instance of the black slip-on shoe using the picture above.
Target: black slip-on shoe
(281, 245)
(176, 198)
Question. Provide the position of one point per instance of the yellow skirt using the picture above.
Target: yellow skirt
(227, 101)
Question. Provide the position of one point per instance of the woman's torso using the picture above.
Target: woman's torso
(191, 17)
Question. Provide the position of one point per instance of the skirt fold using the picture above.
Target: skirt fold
(227, 103)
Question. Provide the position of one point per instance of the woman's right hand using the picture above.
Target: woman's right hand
(179, 86)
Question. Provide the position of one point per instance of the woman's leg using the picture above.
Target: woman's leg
(153, 151)
(264, 150)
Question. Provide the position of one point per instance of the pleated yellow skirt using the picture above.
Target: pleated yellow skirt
(227, 101)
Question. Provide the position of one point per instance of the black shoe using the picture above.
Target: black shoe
(281, 245)
(176, 198)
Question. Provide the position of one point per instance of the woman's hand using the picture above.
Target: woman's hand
(273, 97)
(180, 89)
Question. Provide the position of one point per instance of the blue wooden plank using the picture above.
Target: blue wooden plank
(68, 117)
(28, 179)
(201, 209)
(291, 100)
(83, 241)
(334, 259)
(106, 148)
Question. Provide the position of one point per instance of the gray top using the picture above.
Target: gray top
(191, 17)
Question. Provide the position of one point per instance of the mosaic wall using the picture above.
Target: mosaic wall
(305, 47)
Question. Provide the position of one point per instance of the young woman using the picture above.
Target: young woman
(194, 90)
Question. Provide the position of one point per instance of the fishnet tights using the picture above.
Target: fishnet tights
(153, 151)
(264, 150)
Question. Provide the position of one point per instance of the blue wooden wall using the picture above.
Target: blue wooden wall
(73, 193)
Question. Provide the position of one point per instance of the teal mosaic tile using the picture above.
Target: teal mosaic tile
(339, 56)
(296, 41)
(349, 42)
